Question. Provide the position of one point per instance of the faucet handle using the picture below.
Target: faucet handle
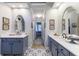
(64, 35)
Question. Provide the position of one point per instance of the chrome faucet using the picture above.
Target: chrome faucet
(64, 35)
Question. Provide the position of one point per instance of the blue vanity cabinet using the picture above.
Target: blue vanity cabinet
(25, 44)
(54, 50)
(57, 49)
(5, 46)
(14, 46)
(52, 46)
(50, 43)
(62, 51)
(17, 47)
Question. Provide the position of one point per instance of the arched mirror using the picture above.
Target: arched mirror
(19, 24)
(69, 22)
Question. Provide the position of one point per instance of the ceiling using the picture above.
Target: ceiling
(35, 7)
(40, 7)
(16, 5)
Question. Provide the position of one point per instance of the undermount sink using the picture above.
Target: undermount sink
(13, 34)
(73, 38)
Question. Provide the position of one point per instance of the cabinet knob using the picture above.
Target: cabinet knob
(61, 49)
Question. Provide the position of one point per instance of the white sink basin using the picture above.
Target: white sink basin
(73, 38)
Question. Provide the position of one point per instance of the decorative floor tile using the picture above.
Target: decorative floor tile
(38, 52)
(38, 49)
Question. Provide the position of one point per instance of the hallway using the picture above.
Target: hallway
(38, 49)
(38, 43)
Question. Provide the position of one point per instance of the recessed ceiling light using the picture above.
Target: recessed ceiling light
(39, 15)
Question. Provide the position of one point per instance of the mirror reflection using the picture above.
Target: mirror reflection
(19, 24)
(70, 21)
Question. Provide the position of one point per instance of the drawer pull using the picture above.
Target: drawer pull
(61, 49)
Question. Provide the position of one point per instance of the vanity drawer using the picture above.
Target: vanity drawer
(62, 50)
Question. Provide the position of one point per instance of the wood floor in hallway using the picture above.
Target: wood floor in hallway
(38, 43)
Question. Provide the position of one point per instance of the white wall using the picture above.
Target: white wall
(51, 14)
(5, 11)
(27, 18)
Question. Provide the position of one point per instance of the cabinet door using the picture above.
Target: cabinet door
(49, 43)
(5, 46)
(25, 44)
(53, 47)
(54, 50)
(63, 50)
(17, 46)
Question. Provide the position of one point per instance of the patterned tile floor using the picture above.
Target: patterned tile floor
(38, 52)
(38, 49)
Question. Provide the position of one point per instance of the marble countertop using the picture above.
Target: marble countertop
(22, 35)
(73, 48)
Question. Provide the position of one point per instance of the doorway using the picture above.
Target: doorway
(38, 33)
(38, 30)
